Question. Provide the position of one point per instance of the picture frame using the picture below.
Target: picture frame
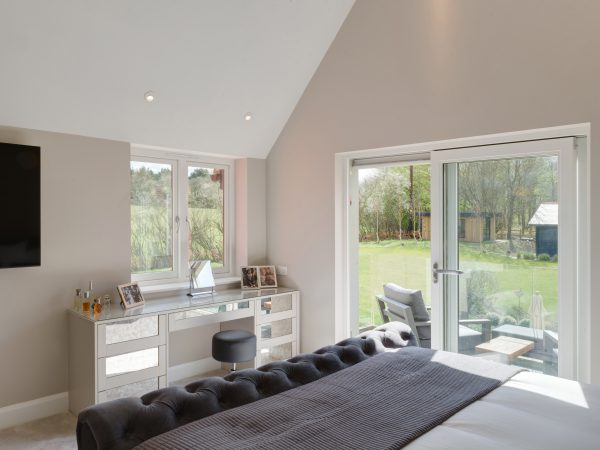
(267, 277)
(258, 277)
(131, 295)
(250, 277)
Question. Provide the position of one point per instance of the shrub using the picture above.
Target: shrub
(493, 318)
(515, 311)
(554, 258)
(543, 257)
(519, 255)
(508, 320)
(528, 256)
(524, 323)
(479, 286)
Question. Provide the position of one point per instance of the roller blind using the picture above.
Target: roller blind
(392, 160)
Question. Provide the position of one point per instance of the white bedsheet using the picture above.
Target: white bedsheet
(530, 411)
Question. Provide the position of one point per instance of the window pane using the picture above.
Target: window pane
(508, 302)
(206, 214)
(151, 217)
(394, 231)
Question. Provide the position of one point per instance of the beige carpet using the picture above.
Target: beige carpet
(58, 432)
(51, 433)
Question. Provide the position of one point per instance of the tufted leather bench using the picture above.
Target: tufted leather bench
(124, 423)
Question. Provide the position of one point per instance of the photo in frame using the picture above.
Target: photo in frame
(250, 277)
(267, 276)
(258, 277)
(131, 295)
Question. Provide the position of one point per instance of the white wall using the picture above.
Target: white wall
(402, 72)
(85, 234)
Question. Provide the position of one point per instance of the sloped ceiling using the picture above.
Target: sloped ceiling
(83, 67)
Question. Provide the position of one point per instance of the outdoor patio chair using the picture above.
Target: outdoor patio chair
(407, 306)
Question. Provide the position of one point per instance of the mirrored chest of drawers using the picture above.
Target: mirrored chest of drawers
(120, 353)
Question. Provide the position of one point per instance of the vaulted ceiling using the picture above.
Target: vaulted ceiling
(83, 67)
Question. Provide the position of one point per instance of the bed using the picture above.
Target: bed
(529, 411)
(376, 391)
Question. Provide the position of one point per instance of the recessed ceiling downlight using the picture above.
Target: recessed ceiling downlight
(149, 96)
(248, 116)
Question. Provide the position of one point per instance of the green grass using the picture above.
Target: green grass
(151, 244)
(408, 263)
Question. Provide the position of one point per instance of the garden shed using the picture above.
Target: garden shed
(473, 227)
(545, 220)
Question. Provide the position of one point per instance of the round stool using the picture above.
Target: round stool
(233, 346)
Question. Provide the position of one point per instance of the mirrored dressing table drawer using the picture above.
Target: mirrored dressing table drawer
(275, 307)
(277, 329)
(210, 314)
(136, 389)
(132, 334)
(127, 368)
(277, 352)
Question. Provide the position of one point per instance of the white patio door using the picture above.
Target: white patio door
(503, 251)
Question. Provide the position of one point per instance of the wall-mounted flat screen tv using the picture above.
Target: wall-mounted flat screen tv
(19, 206)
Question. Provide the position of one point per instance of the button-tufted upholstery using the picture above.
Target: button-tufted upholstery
(124, 423)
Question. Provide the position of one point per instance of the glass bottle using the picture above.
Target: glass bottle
(97, 306)
(77, 300)
(85, 305)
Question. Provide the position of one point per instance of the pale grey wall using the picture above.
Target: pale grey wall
(256, 191)
(250, 211)
(85, 234)
(402, 72)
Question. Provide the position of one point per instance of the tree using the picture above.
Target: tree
(480, 189)
(523, 175)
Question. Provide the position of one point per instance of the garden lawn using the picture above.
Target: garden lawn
(408, 263)
(151, 237)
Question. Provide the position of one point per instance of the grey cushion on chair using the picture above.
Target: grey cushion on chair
(410, 297)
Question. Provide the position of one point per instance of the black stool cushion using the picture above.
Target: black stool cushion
(233, 346)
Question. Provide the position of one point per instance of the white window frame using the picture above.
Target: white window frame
(227, 199)
(180, 163)
(345, 250)
(444, 330)
(172, 274)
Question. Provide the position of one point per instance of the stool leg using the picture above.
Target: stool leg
(233, 367)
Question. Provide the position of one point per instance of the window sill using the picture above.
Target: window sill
(149, 289)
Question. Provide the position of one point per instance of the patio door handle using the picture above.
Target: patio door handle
(437, 272)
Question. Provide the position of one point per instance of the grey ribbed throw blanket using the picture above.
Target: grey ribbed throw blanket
(381, 403)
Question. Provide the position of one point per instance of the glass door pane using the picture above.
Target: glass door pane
(394, 232)
(501, 226)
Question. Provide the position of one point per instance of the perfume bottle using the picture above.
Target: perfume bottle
(87, 295)
(77, 300)
(97, 306)
(85, 304)
(106, 301)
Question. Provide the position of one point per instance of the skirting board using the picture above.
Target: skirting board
(39, 408)
(192, 368)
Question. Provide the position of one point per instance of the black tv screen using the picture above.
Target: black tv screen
(19, 206)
